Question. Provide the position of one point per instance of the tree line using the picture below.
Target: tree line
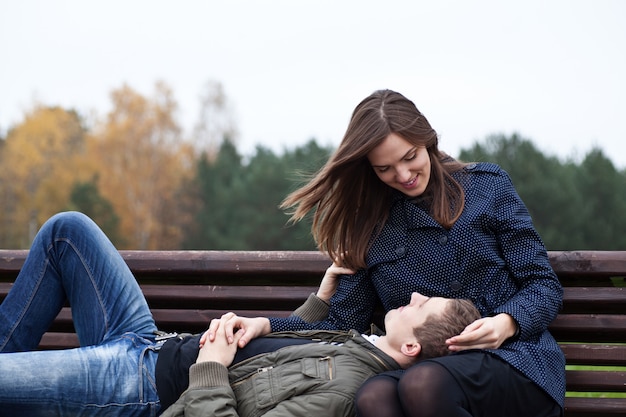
(151, 188)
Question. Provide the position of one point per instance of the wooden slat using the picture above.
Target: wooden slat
(589, 328)
(181, 319)
(594, 407)
(11, 262)
(58, 340)
(4, 289)
(63, 322)
(575, 299)
(579, 299)
(565, 263)
(202, 296)
(230, 262)
(196, 321)
(594, 300)
(599, 381)
(219, 296)
(208, 267)
(601, 263)
(598, 355)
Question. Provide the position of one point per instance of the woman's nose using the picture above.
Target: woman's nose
(403, 174)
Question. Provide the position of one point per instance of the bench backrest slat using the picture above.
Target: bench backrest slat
(594, 354)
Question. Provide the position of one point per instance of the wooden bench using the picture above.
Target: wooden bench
(185, 289)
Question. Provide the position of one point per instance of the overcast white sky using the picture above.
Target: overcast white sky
(552, 70)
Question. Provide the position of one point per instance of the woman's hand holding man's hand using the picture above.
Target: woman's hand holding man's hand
(236, 329)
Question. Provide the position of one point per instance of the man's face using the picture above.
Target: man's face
(400, 322)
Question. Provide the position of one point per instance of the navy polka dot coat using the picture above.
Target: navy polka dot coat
(492, 255)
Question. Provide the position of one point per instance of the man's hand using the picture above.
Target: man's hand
(218, 350)
(485, 333)
(329, 282)
(236, 329)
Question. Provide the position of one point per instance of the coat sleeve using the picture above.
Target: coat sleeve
(314, 309)
(539, 297)
(351, 307)
(209, 394)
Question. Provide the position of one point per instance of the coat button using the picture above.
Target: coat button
(455, 286)
(400, 251)
(443, 239)
(470, 166)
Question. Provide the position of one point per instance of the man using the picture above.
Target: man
(320, 377)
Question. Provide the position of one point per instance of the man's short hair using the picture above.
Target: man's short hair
(437, 328)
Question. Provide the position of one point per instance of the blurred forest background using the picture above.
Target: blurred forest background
(152, 187)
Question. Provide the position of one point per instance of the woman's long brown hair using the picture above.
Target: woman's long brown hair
(350, 201)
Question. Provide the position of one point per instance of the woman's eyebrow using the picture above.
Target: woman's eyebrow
(413, 149)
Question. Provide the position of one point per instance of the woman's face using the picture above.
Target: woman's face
(401, 165)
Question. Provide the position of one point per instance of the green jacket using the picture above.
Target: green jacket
(313, 379)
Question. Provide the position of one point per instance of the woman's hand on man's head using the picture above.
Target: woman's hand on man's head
(484, 333)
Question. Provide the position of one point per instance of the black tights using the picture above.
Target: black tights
(487, 387)
(425, 390)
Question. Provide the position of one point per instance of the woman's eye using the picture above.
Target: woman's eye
(383, 169)
(411, 157)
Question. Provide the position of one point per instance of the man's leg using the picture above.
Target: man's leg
(71, 259)
(112, 379)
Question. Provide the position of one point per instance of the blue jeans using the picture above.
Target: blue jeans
(112, 373)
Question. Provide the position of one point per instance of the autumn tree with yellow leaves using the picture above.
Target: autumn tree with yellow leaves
(134, 159)
(142, 161)
(41, 158)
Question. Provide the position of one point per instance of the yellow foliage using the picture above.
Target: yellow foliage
(141, 159)
(39, 168)
(136, 154)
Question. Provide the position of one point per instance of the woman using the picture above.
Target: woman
(407, 217)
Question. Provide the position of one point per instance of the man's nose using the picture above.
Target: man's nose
(417, 298)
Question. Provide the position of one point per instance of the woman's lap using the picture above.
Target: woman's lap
(470, 384)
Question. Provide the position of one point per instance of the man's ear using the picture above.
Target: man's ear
(412, 349)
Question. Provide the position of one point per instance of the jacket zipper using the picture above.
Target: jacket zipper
(250, 376)
(330, 365)
(380, 361)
